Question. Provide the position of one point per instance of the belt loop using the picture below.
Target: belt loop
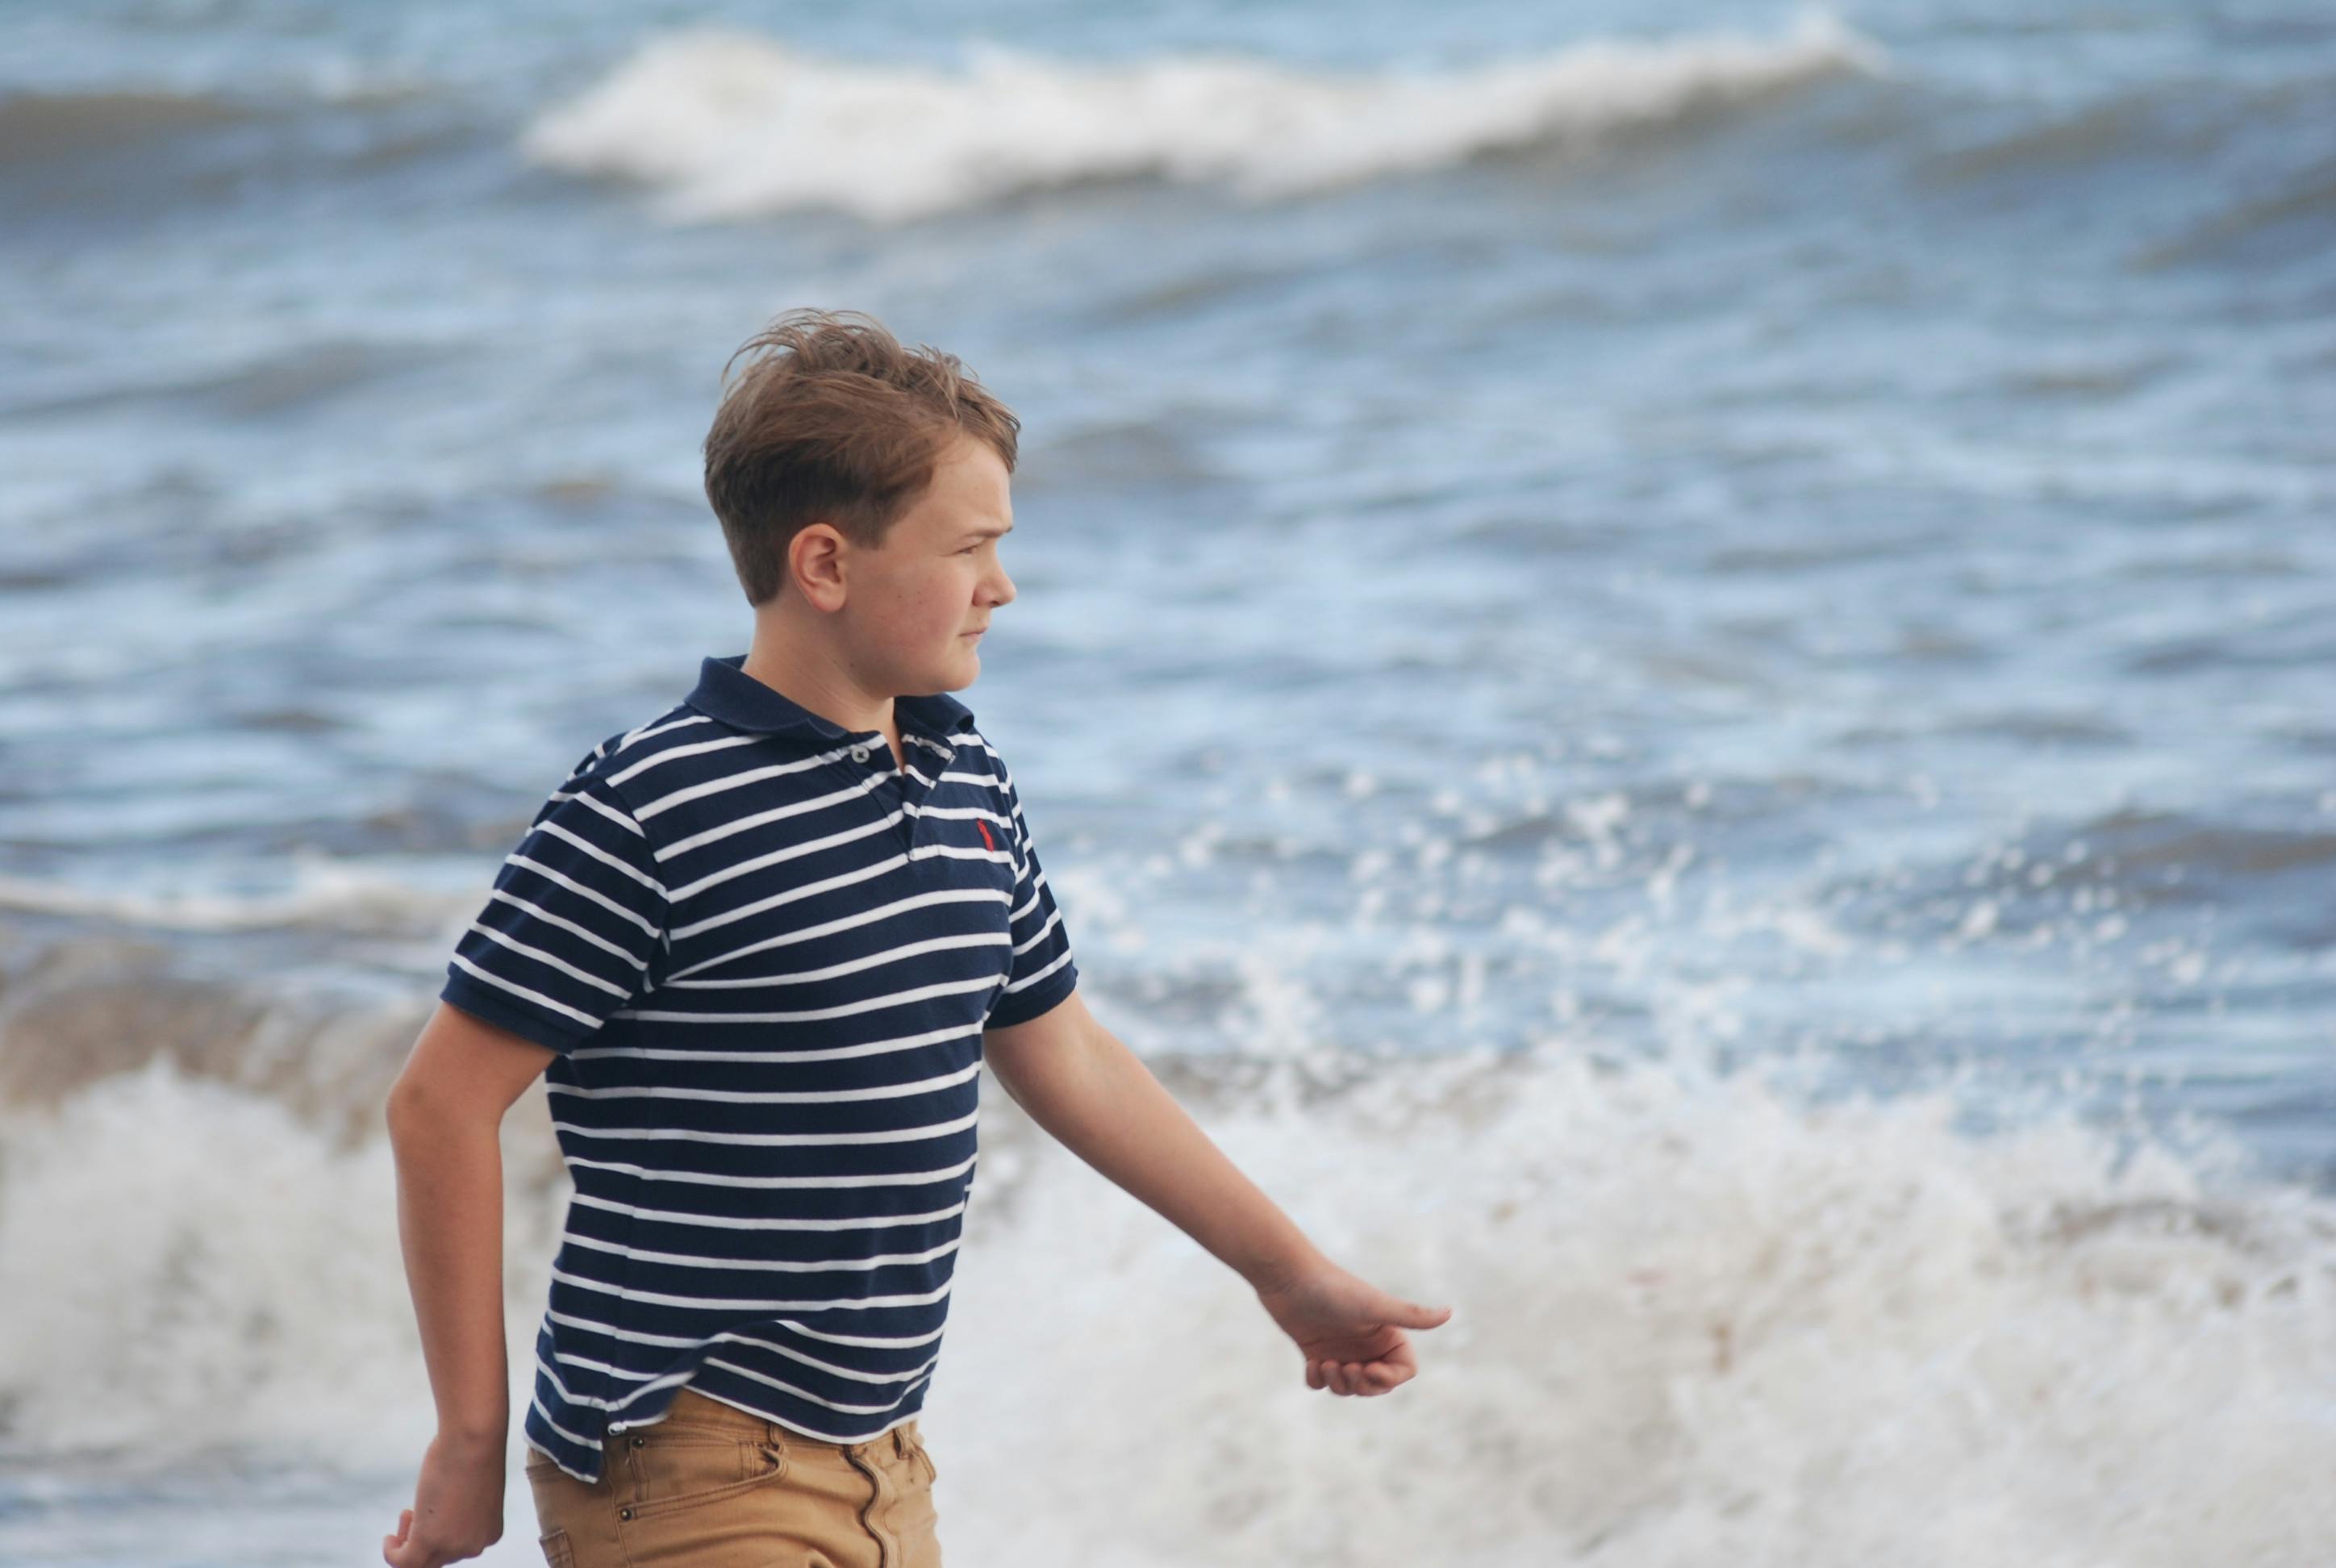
(900, 1443)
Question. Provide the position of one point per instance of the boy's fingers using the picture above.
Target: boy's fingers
(1357, 1378)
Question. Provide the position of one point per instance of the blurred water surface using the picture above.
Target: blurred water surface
(1713, 623)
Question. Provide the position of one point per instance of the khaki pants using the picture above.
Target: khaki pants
(712, 1485)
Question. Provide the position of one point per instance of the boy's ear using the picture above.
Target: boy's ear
(819, 564)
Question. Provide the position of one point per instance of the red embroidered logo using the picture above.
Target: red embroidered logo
(987, 841)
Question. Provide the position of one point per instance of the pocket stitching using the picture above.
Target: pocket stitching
(662, 1507)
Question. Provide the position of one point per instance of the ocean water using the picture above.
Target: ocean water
(1674, 661)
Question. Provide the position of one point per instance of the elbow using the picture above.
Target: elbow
(412, 1108)
(398, 1109)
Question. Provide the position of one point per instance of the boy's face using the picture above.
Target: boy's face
(915, 601)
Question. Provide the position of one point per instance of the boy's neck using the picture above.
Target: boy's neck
(807, 675)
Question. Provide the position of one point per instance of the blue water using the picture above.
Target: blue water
(1670, 535)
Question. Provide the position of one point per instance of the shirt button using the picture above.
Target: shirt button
(860, 754)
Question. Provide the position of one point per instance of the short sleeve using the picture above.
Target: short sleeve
(1042, 971)
(576, 916)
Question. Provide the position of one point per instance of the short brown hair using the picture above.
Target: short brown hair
(834, 421)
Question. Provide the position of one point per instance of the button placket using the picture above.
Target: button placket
(913, 793)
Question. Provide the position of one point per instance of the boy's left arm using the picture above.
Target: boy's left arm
(1082, 1085)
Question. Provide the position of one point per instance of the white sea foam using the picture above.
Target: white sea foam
(1695, 1319)
(730, 125)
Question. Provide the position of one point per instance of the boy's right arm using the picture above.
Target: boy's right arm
(446, 1114)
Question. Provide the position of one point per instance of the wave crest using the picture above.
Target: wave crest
(731, 125)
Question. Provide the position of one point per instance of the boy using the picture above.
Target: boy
(762, 947)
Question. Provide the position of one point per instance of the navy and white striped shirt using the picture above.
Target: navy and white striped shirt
(766, 956)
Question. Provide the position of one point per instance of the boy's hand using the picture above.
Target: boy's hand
(458, 1506)
(1352, 1332)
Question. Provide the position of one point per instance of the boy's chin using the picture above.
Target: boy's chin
(960, 671)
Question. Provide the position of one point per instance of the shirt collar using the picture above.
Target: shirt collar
(727, 693)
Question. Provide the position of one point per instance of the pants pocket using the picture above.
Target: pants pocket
(557, 1551)
(674, 1469)
(699, 1503)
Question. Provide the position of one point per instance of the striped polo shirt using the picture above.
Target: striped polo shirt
(766, 954)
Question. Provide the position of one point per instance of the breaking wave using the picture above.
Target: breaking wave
(727, 125)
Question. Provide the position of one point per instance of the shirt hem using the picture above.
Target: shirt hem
(533, 1446)
(1036, 1004)
(481, 1003)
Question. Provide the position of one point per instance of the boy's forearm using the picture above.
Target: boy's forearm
(1104, 1105)
(449, 1225)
